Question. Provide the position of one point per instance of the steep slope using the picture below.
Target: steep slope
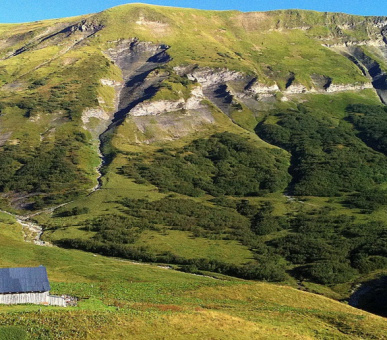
(203, 130)
(52, 71)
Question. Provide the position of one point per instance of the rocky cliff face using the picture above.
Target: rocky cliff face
(261, 89)
(208, 77)
(218, 86)
(366, 61)
(68, 35)
(153, 108)
(137, 60)
(223, 87)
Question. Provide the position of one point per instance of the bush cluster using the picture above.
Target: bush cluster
(224, 164)
(327, 159)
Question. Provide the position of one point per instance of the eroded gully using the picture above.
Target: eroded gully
(136, 60)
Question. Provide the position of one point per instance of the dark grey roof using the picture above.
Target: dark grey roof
(21, 280)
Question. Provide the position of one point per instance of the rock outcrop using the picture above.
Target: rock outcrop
(110, 82)
(214, 84)
(369, 66)
(94, 113)
(218, 85)
(210, 77)
(261, 89)
(297, 89)
(137, 61)
(153, 108)
(342, 87)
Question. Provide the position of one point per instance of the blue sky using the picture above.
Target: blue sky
(31, 10)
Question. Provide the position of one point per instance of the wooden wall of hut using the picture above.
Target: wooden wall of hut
(34, 298)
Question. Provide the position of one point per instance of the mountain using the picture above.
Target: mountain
(251, 145)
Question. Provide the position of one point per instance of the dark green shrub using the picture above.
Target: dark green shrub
(327, 272)
(327, 159)
(73, 212)
(224, 164)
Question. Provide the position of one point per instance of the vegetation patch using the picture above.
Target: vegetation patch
(224, 164)
(327, 158)
(12, 333)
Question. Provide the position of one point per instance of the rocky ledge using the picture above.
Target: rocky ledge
(152, 108)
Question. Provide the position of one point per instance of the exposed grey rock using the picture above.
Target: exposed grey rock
(157, 107)
(342, 87)
(321, 82)
(110, 82)
(296, 89)
(4, 137)
(172, 125)
(195, 101)
(207, 76)
(152, 108)
(98, 113)
(369, 67)
(215, 84)
(258, 88)
(183, 70)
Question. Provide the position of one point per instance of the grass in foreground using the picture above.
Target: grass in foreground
(119, 299)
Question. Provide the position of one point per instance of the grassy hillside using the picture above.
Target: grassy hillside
(243, 41)
(117, 298)
(167, 208)
(242, 144)
(51, 73)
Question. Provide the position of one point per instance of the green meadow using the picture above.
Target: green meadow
(252, 222)
(118, 298)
